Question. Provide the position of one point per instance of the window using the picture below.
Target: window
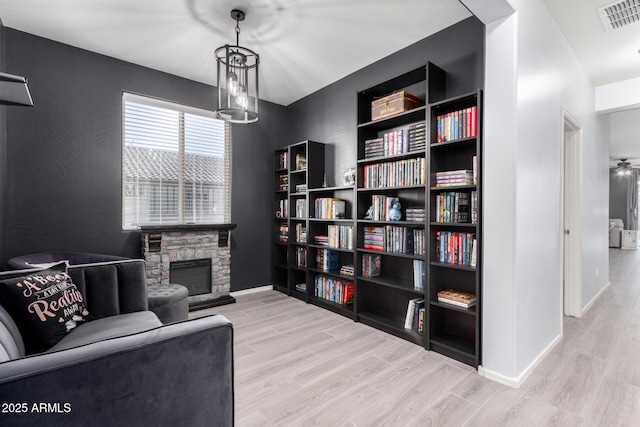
(176, 163)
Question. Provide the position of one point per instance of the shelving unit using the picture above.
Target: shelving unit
(332, 215)
(280, 228)
(303, 165)
(399, 173)
(455, 141)
(399, 262)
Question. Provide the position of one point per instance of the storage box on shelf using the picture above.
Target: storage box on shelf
(454, 226)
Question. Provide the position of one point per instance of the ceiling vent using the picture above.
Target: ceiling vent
(620, 14)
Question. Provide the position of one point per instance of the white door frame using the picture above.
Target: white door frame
(571, 171)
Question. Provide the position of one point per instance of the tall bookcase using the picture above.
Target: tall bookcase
(297, 168)
(430, 162)
(392, 170)
(352, 238)
(455, 233)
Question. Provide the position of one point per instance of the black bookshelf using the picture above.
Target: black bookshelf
(455, 144)
(416, 253)
(398, 173)
(332, 215)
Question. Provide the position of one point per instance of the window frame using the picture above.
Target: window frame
(182, 205)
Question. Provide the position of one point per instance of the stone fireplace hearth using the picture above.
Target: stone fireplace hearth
(164, 245)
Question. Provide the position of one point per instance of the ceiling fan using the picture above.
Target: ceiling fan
(624, 167)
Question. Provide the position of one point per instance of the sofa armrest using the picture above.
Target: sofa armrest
(177, 374)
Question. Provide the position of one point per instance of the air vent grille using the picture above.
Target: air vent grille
(619, 14)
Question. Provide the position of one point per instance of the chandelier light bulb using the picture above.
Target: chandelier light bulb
(233, 83)
(241, 97)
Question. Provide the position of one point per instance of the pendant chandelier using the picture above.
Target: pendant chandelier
(237, 79)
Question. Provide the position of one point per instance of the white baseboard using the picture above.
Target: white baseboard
(516, 382)
(595, 298)
(251, 290)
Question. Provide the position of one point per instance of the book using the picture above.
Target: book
(326, 259)
(301, 257)
(329, 208)
(336, 290)
(347, 270)
(371, 264)
(283, 233)
(400, 173)
(418, 274)
(413, 307)
(457, 124)
(457, 298)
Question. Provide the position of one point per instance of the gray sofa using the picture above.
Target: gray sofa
(121, 368)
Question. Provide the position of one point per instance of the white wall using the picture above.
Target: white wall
(523, 123)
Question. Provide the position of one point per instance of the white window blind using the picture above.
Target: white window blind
(176, 164)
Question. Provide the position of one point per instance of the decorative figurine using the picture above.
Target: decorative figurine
(369, 214)
(394, 213)
(349, 176)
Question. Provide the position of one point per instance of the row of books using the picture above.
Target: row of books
(347, 270)
(457, 124)
(396, 239)
(414, 320)
(301, 188)
(454, 178)
(380, 206)
(400, 173)
(416, 214)
(283, 232)
(335, 290)
(455, 206)
(301, 208)
(453, 247)
(283, 160)
(457, 298)
(301, 257)
(338, 236)
(283, 209)
(301, 233)
(330, 208)
(326, 260)
(283, 182)
(398, 141)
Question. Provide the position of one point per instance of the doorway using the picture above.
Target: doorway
(571, 216)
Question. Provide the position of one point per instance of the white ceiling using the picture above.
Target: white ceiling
(607, 57)
(303, 45)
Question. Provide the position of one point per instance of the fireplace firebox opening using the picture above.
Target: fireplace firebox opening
(194, 274)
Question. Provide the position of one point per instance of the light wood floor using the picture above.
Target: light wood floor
(300, 365)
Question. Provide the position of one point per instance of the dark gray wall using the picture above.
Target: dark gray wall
(64, 156)
(618, 195)
(329, 115)
(2, 149)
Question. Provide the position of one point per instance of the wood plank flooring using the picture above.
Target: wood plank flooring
(300, 365)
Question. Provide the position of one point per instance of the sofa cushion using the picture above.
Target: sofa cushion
(45, 305)
(108, 327)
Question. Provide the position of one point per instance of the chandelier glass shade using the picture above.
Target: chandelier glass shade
(237, 80)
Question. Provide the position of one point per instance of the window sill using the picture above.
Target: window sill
(186, 227)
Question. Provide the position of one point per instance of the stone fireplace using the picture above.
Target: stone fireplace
(196, 256)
